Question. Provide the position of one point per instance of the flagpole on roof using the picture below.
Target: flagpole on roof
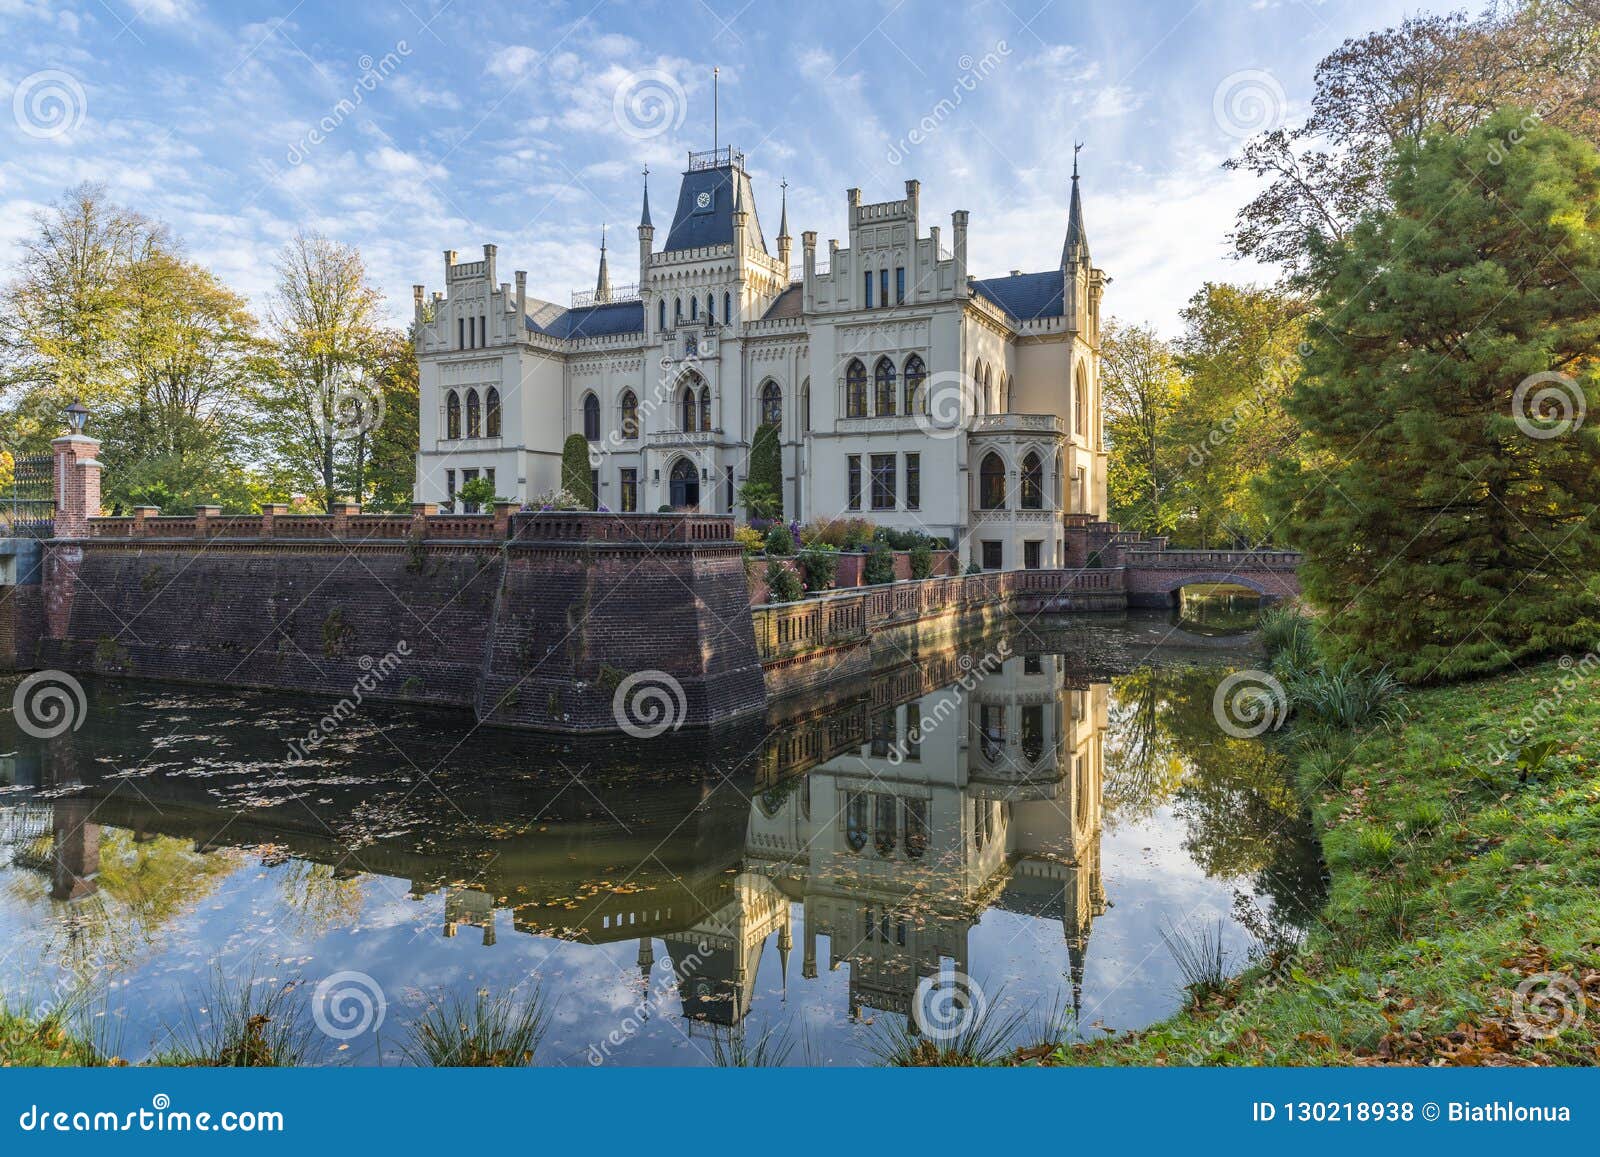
(715, 72)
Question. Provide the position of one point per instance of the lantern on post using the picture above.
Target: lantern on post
(77, 416)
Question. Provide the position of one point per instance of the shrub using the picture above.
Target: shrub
(974, 568)
(554, 500)
(879, 568)
(760, 501)
(783, 585)
(779, 540)
(575, 477)
(898, 539)
(821, 565)
(476, 494)
(1350, 696)
(921, 561)
(749, 538)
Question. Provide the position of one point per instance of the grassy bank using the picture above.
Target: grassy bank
(1463, 843)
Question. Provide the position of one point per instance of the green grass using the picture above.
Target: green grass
(501, 1031)
(1452, 882)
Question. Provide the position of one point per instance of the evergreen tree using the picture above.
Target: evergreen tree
(1445, 506)
(575, 477)
(766, 470)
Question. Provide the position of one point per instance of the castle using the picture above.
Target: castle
(905, 390)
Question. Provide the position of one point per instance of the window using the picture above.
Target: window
(711, 308)
(450, 488)
(491, 413)
(452, 415)
(883, 287)
(727, 308)
(916, 374)
(868, 283)
(461, 333)
(1030, 554)
(853, 481)
(916, 827)
(855, 389)
(885, 831)
(992, 555)
(899, 283)
(1032, 732)
(677, 311)
(591, 417)
(805, 406)
(1080, 408)
(883, 388)
(913, 745)
(855, 822)
(630, 415)
(628, 500)
(913, 481)
(1032, 482)
(992, 483)
(705, 408)
(694, 309)
(483, 329)
(883, 482)
(772, 404)
(727, 476)
(687, 418)
(661, 314)
(474, 415)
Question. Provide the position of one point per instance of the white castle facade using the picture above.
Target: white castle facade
(905, 390)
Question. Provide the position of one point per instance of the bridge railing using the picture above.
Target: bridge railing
(1212, 560)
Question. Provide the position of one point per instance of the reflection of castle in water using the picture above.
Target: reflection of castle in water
(894, 823)
(959, 801)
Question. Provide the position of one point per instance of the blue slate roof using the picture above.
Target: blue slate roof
(692, 229)
(1026, 296)
(592, 321)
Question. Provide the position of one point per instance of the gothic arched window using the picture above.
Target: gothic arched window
(474, 414)
(452, 415)
(1032, 482)
(591, 417)
(805, 406)
(916, 373)
(694, 309)
(1055, 483)
(705, 408)
(883, 388)
(727, 308)
(1080, 408)
(992, 483)
(855, 389)
(980, 401)
(661, 314)
(688, 423)
(772, 403)
(677, 311)
(491, 413)
(630, 414)
(711, 308)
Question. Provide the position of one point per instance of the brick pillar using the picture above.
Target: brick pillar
(269, 512)
(502, 517)
(77, 484)
(341, 512)
(203, 516)
(141, 516)
(420, 513)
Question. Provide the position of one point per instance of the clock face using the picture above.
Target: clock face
(703, 201)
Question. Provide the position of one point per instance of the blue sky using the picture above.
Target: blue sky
(465, 122)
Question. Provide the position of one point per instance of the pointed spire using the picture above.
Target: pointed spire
(644, 218)
(783, 221)
(1076, 248)
(602, 285)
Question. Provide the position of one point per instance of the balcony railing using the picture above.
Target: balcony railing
(1019, 424)
(725, 157)
(583, 299)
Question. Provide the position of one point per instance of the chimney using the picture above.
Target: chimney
(914, 195)
(958, 227)
(488, 263)
(808, 250)
(449, 260)
(522, 301)
(416, 303)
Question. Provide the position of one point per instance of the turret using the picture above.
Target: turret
(416, 304)
(488, 264)
(784, 240)
(522, 301)
(808, 275)
(741, 222)
(647, 235)
(602, 284)
(958, 240)
(1075, 250)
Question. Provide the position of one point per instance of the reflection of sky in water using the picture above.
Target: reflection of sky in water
(260, 911)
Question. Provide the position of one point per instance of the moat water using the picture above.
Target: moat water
(1028, 822)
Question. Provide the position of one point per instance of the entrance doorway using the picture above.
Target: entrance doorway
(684, 485)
